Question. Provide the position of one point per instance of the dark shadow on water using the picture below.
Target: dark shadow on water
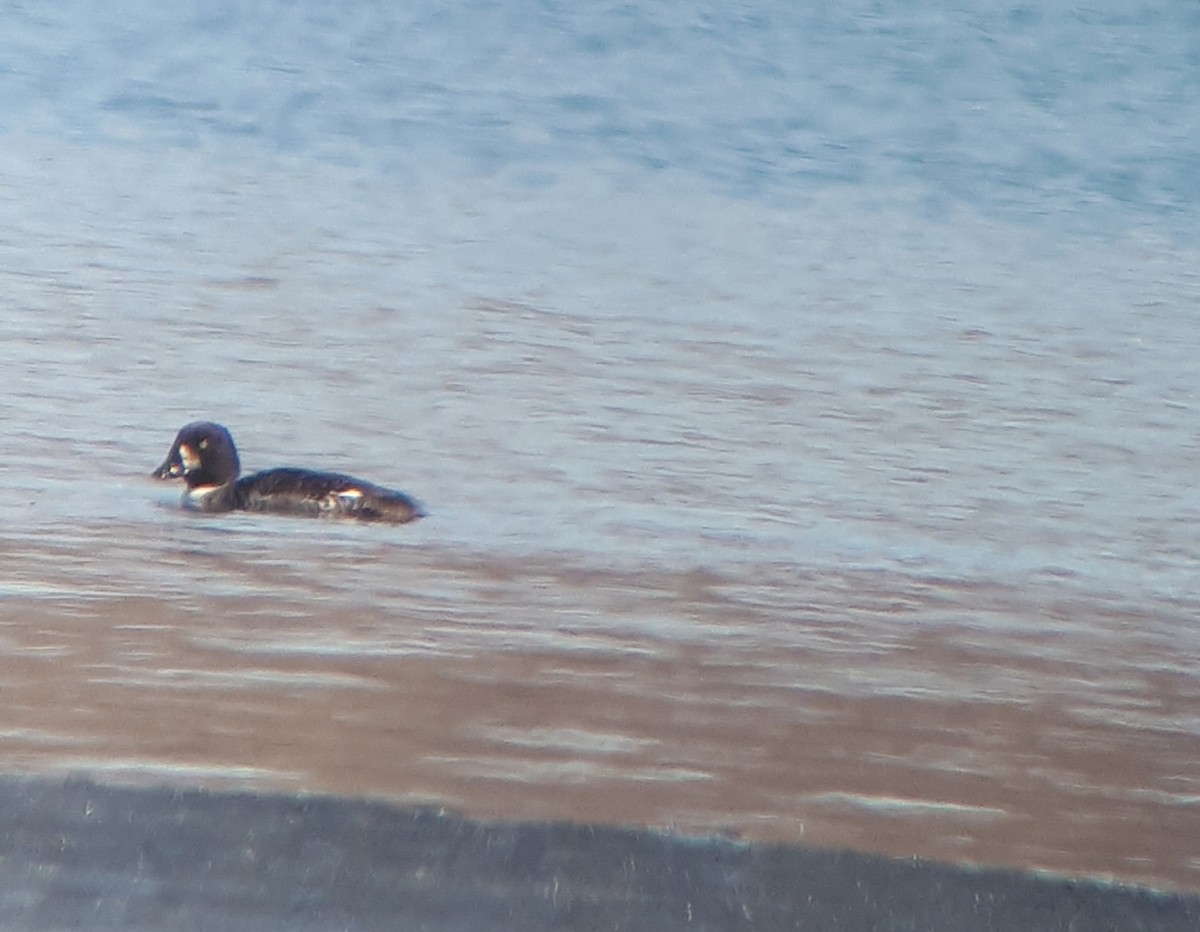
(78, 855)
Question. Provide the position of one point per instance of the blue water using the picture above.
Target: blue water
(950, 248)
(946, 251)
(1079, 118)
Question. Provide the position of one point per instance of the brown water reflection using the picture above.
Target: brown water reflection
(908, 717)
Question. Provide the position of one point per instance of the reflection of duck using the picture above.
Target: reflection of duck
(204, 456)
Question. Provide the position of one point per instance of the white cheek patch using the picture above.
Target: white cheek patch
(189, 457)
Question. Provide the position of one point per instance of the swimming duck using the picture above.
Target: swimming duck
(204, 456)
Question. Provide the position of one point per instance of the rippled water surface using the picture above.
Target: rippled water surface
(795, 470)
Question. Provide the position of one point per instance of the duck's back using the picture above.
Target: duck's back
(290, 490)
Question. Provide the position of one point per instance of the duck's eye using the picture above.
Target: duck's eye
(203, 444)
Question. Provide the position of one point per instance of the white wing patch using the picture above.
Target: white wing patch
(342, 500)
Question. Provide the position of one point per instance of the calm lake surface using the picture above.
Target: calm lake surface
(806, 406)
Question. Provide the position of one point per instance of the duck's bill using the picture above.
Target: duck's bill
(182, 460)
(171, 469)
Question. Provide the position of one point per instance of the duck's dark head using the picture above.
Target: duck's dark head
(202, 454)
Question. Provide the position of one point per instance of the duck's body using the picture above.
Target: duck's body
(205, 457)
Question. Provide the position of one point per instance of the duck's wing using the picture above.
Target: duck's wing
(312, 492)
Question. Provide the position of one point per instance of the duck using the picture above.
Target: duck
(204, 456)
